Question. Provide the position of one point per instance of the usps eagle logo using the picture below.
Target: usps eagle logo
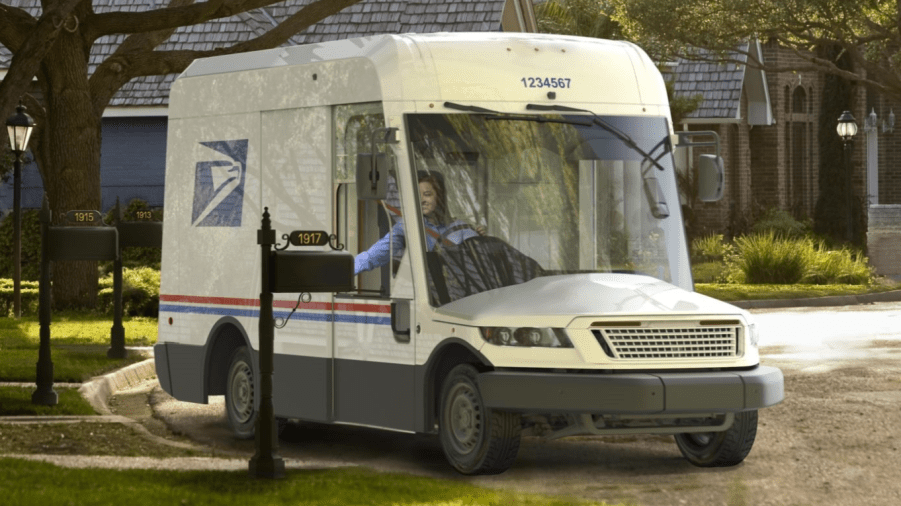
(219, 185)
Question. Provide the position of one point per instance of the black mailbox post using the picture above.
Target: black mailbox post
(287, 271)
(148, 234)
(64, 243)
(85, 243)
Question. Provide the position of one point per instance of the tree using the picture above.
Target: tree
(867, 32)
(56, 48)
(586, 18)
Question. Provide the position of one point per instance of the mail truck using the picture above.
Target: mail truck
(557, 301)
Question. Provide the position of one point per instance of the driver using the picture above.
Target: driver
(433, 202)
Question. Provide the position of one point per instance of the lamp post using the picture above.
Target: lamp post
(847, 129)
(19, 127)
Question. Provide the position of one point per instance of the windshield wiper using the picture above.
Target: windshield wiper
(536, 118)
(608, 127)
(470, 108)
(497, 115)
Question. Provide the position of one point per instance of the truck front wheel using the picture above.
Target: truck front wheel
(239, 394)
(475, 438)
(720, 449)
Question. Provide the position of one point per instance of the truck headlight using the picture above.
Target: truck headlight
(753, 334)
(526, 336)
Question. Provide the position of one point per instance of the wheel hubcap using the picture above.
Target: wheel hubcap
(701, 439)
(465, 419)
(242, 393)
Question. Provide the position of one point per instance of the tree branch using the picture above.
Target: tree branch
(28, 56)
(15, 25)
(133, 60)
(110, 23)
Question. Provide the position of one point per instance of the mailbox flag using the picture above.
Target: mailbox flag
(219, 186)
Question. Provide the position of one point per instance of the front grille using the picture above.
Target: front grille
(655, 343)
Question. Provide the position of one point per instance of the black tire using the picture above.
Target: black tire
(281, 425)
(475, 439)
(239, 394)
(721, 449)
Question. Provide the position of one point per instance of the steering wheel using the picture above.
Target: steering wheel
(443, 240)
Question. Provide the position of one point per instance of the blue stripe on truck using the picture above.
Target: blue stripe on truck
(252, 313)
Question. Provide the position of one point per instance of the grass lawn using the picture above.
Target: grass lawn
(16, 401)
(733, 292)
(27, 483)
(78, 343)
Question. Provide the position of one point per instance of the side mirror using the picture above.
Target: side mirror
(711, 178)
(656, 200)
(372, 176)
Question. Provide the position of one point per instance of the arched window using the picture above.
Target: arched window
(799, 100)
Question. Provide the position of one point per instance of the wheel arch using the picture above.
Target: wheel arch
(447, 355)
(224, 338)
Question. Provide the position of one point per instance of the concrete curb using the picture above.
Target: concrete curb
(99, 389)
(838, 300)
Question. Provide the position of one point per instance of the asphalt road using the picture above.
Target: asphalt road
(836, 440)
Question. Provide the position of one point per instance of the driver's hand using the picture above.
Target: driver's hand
(481, 230)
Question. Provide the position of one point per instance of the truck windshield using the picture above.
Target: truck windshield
(517, 197)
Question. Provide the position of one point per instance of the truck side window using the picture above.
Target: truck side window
(363, 223)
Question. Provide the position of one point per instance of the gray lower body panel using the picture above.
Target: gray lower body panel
(633, 393)
(302, 387)
(374, 393)
(360, 392)
(180, 368)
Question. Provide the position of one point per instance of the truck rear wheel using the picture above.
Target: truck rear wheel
(475, 439)
(720, 449)
(239, 394)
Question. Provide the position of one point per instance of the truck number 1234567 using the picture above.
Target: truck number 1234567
(545, 82)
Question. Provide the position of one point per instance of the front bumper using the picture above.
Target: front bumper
(633, 393)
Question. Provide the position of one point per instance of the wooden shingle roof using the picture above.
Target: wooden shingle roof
(719, 83)
(369, 17)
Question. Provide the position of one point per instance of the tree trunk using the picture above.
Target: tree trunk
(830, 214)
(72, 155)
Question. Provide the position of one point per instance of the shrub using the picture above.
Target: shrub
(140, 292)
(134, 257)
(770, 259)
(31, 246)
(842, 266)
(711, 248)
(779, 223)
(29, 296)
(709, 272)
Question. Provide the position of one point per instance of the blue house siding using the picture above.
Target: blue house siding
(133, 160)
(132, 165)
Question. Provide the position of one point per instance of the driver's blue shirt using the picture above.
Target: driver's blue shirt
(378, 254)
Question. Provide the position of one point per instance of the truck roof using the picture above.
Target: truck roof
(467, 67)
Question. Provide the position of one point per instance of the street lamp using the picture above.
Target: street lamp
(19, 127)
(847, 129)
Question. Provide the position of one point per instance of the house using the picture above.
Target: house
(769, 127)
(134, 125)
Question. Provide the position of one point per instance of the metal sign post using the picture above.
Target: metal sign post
(147, 234)
(44, 395)
(65, 243)
(266, 463)
(293, 272)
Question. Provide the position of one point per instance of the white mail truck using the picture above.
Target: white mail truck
(511, 201)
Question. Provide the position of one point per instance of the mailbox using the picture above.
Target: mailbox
(147, 234)
(83, 243)
(311, 271)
